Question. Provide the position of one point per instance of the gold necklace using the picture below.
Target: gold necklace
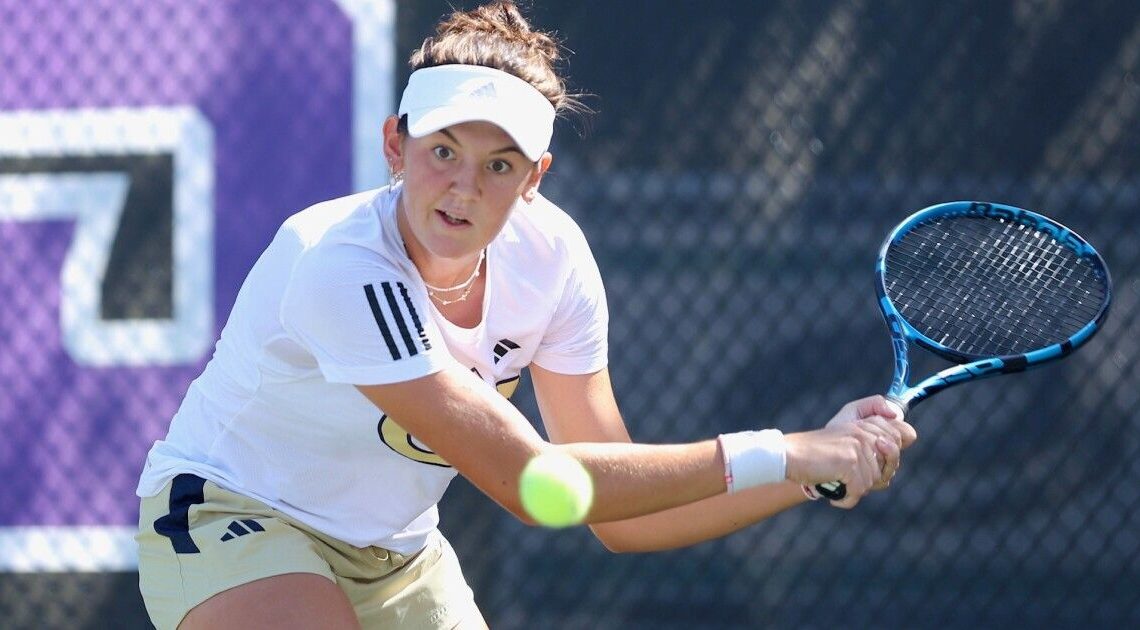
(467, 285)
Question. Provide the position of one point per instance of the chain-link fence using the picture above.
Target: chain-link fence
(745, 161)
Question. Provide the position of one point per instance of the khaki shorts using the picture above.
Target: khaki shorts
(197, 540)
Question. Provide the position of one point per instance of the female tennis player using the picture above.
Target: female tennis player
(368, 358)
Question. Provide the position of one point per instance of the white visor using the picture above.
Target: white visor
(442, 96)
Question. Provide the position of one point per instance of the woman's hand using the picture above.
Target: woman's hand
(860, 446)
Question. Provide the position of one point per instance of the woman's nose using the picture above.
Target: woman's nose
(465, 181)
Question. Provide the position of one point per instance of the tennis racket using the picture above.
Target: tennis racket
(992, 288)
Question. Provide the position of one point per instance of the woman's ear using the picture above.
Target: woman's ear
(393, 145)
(530, 188)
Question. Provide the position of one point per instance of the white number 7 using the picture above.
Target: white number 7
(95, 200)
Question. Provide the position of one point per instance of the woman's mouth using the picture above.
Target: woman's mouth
(451, 219)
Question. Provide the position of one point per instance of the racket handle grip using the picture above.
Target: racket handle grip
(832, 490)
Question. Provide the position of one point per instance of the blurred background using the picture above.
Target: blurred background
(744, 161)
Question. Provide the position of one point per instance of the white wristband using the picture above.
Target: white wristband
(753, 458)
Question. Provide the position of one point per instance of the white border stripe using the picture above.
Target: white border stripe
(374, 63)
(72, 549)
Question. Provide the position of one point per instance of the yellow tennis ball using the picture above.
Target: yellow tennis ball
(556, 490)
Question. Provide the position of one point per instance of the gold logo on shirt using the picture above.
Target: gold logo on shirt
(396, 438)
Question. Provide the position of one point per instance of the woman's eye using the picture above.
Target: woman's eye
(499, 166)
(443, 153)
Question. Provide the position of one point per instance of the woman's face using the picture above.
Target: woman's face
(460, 184)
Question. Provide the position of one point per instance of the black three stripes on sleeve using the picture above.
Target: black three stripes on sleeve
(391, 316)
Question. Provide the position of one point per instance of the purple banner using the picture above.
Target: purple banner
(148, 151)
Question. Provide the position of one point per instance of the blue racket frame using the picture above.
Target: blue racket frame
(970, 367)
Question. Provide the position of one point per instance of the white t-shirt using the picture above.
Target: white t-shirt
(333, 302)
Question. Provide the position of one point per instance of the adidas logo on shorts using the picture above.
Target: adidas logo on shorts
(241, 528)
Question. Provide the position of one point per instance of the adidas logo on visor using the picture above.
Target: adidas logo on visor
(487, 90)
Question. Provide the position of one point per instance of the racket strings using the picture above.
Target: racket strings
(987, 287)
(996, 322)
